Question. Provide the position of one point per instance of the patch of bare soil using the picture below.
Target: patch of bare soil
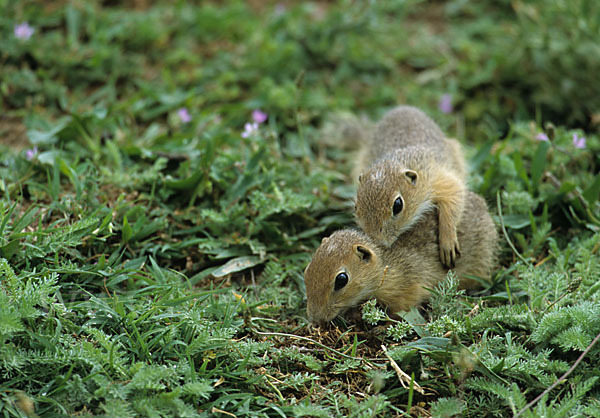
(13, 132)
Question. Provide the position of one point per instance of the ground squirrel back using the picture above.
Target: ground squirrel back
(403, 127)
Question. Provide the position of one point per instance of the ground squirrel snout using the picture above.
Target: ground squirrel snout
(349, 267)
(408, 168)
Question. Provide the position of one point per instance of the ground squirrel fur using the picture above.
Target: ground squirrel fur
(349, 267)
(408, 168)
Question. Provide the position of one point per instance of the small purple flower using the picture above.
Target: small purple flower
(445, 103)
(250, 129)
(578, 141)
(184, 115)
(259, 116)
(542, 137)
(23, 31)
(31, 153)
(280, 9)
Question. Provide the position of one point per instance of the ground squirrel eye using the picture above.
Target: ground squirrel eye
(398, 205)
(341, 280)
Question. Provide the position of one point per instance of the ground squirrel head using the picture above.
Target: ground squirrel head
(390, 200)
(342, 274)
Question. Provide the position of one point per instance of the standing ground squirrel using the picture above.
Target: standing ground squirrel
(349, 267)
(409, 168)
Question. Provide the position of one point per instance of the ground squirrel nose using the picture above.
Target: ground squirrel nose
(318, 324)
(315, 320)
(318, 318)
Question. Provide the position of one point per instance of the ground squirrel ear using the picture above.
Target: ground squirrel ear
(411, 176)
(324, 240)
(363, 252)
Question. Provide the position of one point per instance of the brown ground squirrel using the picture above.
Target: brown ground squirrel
(408, 168)
(349, 267)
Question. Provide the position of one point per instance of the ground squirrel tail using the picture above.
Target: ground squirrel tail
(345, 130)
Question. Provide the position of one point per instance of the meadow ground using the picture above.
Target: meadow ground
(154, 227)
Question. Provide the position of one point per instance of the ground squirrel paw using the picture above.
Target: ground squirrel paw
(449, 253)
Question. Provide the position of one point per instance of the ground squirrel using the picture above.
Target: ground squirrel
(408, 168)
(349, 267)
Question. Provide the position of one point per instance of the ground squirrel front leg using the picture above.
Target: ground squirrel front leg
(449, 196)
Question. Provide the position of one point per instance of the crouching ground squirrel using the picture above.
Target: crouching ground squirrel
(349, 267)
(408, 168)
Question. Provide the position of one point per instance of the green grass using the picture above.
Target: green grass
(154, 267)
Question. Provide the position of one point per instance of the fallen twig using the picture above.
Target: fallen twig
(299, 337)
(561, 379)
(404, 379)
